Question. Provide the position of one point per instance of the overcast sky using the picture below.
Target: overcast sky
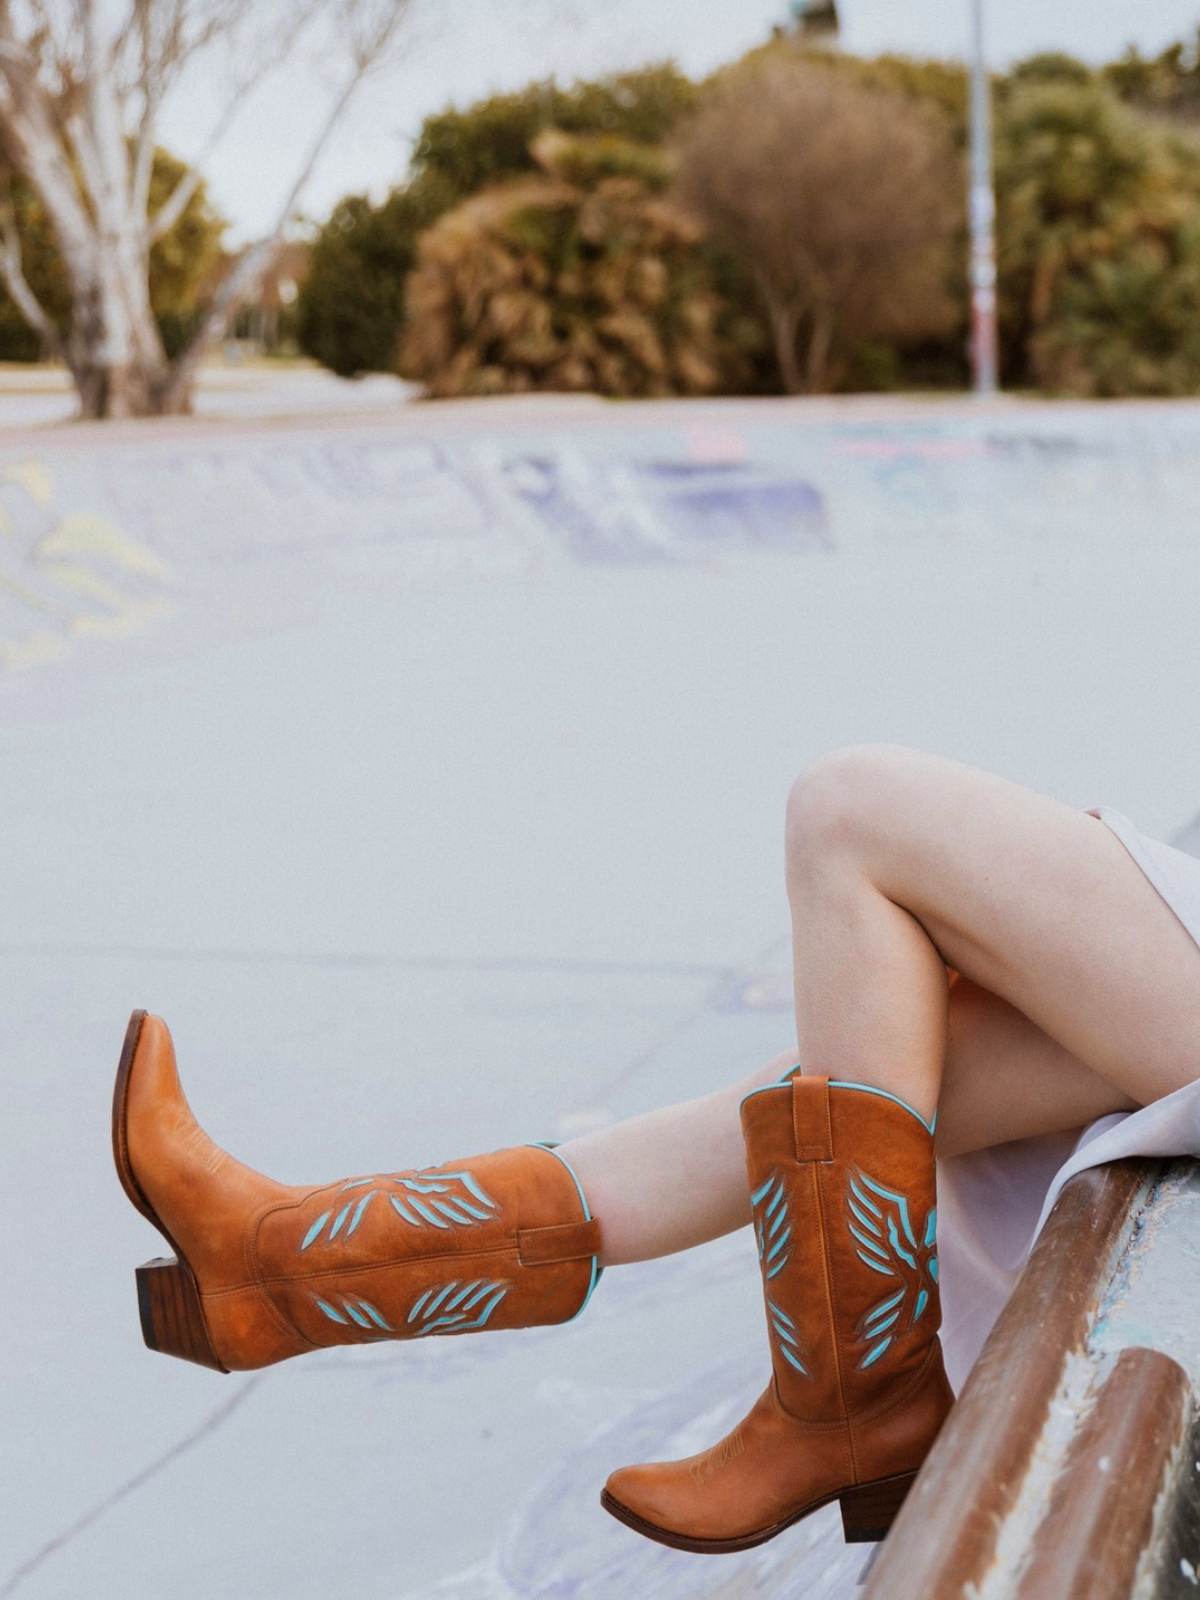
(460, 50)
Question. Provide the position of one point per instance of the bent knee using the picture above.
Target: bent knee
(840, 800)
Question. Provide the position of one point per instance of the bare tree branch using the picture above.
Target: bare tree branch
(372, 27)
(177, 202)
(33, 135)
(268, 56)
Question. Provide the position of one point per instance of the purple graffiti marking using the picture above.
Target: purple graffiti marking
(621, 512)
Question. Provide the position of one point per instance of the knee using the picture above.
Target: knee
(838, 804)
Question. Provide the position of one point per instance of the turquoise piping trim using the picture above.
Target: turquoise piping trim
(767, 1087)
(597, 1269)
(839, 1083)
(868, 1088)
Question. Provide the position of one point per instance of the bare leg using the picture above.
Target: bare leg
(889, 851)
(901, 863)
(677, 1177)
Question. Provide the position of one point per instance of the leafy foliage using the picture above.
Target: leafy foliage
(351, 309)
(1099, 215)
(582, 277)
(839, 200)
(459, 152)
(184, 264)
(1166, 85)
(1099, 244)
(351, 306)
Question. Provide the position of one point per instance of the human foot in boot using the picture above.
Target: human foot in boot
(842, 1185)
(262, 1270)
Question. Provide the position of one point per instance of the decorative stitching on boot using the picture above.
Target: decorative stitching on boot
(880, 1224)
(354, 1309)
(776, 1244)
(772, 1226)
(428, 1199)
(451, 1312)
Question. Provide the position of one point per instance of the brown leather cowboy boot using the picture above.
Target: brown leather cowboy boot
(842, 1185)
(263, 1271)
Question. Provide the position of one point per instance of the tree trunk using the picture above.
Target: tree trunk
(125, 389)
(820, 343)
(785, 322)
(114, 350)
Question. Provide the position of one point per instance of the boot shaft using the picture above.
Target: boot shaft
(503, 1240)
(843, 1192)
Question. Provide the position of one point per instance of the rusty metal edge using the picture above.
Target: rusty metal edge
(1106, 1502)
(945, 1536)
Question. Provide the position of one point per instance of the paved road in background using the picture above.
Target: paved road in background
(426, 771)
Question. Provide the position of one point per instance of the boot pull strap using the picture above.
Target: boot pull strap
(811, 1122)
(566, 1241)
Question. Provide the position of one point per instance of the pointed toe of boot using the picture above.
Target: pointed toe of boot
(730, 1497)
(147, 1094)
(264, 1271)
(193, 1193)
(641, 1497)
(659, 1500)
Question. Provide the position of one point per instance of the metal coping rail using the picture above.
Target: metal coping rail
(1102, 1513)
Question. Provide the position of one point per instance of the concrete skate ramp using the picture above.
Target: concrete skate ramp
(427, 772)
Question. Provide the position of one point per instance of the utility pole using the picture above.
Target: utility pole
(982, 213)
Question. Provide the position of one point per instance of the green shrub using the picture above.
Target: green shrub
(1099, 245)
(350, 308)
(581, 277)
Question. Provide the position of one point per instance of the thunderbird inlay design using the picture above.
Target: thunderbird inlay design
(776, 1244)
(455, 1307)
(425, 1199)
(886, 1241)
(772, 1226)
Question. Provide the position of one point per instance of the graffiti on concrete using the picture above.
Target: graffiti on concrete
(615, 511)
(67, 574)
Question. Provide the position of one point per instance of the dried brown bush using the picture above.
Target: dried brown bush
(840, 200)
(582, 278)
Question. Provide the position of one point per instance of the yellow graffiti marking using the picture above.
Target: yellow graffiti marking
(32, 476)
(36, 650)
(82, 534)
(66, 557)
(127, 615)
(27, 596)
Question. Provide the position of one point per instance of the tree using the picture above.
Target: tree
(583, 277)
(1098, 232)
(184, 265)
(352, 305)
(1166, 85)
(457, 153)
(841, 201)
(82, 87)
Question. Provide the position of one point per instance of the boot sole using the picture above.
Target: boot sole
(169, 1306)
(868, 1511)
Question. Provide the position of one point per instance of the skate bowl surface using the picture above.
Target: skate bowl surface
(426, 771)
